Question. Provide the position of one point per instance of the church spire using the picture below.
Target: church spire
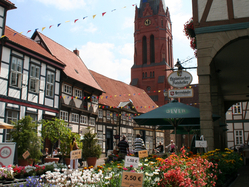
(154, 4)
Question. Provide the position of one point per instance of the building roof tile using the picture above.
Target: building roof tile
(28, 43)
(116, 88)
(75, 67)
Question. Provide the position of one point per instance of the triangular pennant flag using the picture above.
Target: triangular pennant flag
(124, 7)
(50, 26)
(58, 24)
(64, 97)
(14, 34)
(36, 29)
(103, 13)
(94, 16)
(67, 21)
(28, 31)
(2, 36)
(43, 28)
(76, 20)
(21, 32)
(113, 10)
(85, 17)
(134, 4)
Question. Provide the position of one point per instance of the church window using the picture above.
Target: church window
(150, 74)
(162, 23)
(152, 49)
(144, 50)
(153, 74)
(145, 74)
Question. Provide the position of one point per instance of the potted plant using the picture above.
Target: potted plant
(26, 138)
(65, 145)
(54, 130)
(90, 148)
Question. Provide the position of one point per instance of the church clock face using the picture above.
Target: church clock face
(147, 22)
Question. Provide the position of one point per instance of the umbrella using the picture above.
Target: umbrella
(6, 125)
(174, 114)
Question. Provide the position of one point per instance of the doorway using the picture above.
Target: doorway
(109, 139)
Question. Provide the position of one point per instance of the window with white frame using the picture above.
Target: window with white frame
(67, 89)
(11, 116)
(237, 108)
(75, 118)
(238, 137)
(78, 93)
(50, 84)
(34, 81)
(115, 117)
(100, 115)
(108, 115)
(123, 115)
(64, 115)
(83, 119)
(16, 72)
(91, 121)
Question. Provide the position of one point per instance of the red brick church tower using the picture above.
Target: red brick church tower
(153, 49)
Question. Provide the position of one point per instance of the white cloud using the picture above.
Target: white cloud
(100, 57)
(65, 4)
(91, 29)
(128, 23)
(127, 50)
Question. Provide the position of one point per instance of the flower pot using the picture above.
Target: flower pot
(91, 161)
(25, 162)
(67, 161)
(46, 160)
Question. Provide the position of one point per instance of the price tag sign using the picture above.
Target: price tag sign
(130, 179)
(201, 144)
(131, 160)
(143, 154)
(26, 154)
(76, 154)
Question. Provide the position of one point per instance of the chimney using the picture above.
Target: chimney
(76, 51)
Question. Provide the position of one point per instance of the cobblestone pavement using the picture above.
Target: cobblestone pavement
(242, 179)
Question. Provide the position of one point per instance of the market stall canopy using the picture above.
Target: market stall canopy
(173, 113)
(6, 125)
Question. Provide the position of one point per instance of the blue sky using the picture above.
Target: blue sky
(106, 43)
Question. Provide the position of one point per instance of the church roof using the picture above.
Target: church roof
(154, 4)
(118, 93)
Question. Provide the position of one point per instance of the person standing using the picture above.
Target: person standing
(171, 146)
(73, 146)
(159, 148)
(138, 144)
(123, 147)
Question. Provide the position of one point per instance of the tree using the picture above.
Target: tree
(54, 130)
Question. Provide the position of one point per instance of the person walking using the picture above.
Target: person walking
(123, 147)
(73, 162)
(138, 144)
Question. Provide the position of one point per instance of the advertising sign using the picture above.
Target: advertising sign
(181, 93)
(180, 79)
(76, 154)
(7, 152)
(130, 160)
(202, 144)
(132, 179)
(143, 154)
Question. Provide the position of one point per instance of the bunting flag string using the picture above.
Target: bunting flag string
(69, 21)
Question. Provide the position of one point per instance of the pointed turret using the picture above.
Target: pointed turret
(154, 5)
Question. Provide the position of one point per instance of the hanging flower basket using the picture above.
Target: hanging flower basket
(189, 28)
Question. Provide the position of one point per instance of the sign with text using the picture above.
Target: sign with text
(180, 79)
(143, 154)
(202, 144)
(130, 179)
(181, 93)
(26, 154)
(76, 154)
(7, 152)
(131, 160)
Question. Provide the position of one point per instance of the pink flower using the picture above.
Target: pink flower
(142, 168)
(125, 168)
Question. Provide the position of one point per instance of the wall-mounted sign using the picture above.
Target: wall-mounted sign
(180, 79)
(181, 93)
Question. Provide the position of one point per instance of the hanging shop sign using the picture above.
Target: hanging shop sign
(181, 93)
(180, 79)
